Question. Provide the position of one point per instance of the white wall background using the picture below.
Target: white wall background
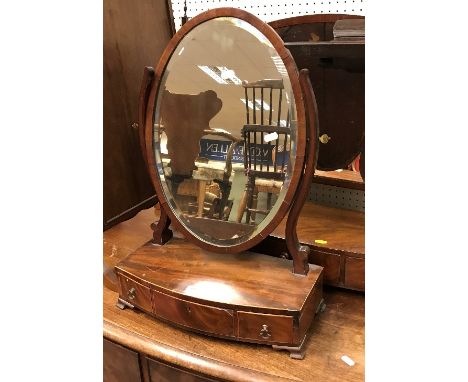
(269, 10)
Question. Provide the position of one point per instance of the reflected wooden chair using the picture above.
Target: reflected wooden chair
(265, 129)
(215, 185)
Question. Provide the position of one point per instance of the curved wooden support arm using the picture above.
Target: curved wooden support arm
(161, 232)
(146, 82)
(300, 253)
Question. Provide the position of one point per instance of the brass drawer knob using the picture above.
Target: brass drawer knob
(324, 138)
(265, 332)
(132, 293)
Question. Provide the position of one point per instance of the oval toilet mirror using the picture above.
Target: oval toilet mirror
(227, 130)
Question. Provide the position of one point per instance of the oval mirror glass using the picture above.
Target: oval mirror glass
(225, 131)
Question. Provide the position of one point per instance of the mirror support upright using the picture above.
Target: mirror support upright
(146, 82)
(300, 253)
(161, 232)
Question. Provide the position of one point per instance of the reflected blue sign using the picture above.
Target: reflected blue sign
(217, 150)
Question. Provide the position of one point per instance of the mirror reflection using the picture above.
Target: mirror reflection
(225, 127)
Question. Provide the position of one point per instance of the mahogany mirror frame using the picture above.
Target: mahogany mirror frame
(306, 147)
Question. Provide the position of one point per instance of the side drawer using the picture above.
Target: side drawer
(135, 293)
(354, 273)
(160, 372)
(330, 263)
(265, 327)
(192, 315)
(120, 363)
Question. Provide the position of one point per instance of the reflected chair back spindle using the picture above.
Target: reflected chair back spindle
(264, 168)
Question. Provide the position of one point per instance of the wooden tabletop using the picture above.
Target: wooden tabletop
(343, 230)
(338, 332)
(343, 178)
(242, 282)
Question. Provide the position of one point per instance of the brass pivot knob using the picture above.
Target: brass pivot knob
(132, 293)
(324, 138)
(265, 332)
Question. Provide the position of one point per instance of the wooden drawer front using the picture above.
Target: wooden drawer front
(120, 364)
(160, 372)
(354, 273)
(330, 263)
(192, 315)
(277, 329)
(134, 293)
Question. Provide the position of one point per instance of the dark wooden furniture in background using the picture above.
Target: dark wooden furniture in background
(346, 178)
(336, 69)
(336, 240)
(161, 352)
(135, 34)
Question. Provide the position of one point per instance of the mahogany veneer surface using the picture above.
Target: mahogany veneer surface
(336, 332)
(344, 178)
(120, 363)
(336, 239)
(251, 279)
(343, 230)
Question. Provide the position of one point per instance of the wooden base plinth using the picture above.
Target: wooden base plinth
(243, 297)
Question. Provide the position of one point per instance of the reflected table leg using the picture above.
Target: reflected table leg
(201, 196)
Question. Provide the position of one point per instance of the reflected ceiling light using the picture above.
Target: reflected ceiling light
(212, 74)
(348, 360)
(251, 29)
(163, 144)
(258, 104)
(221, 74)
(279, 65)
(181, 50)
(227, 74)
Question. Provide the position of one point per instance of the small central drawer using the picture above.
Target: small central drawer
(195, 316)
(134, 293)
(265, 327)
